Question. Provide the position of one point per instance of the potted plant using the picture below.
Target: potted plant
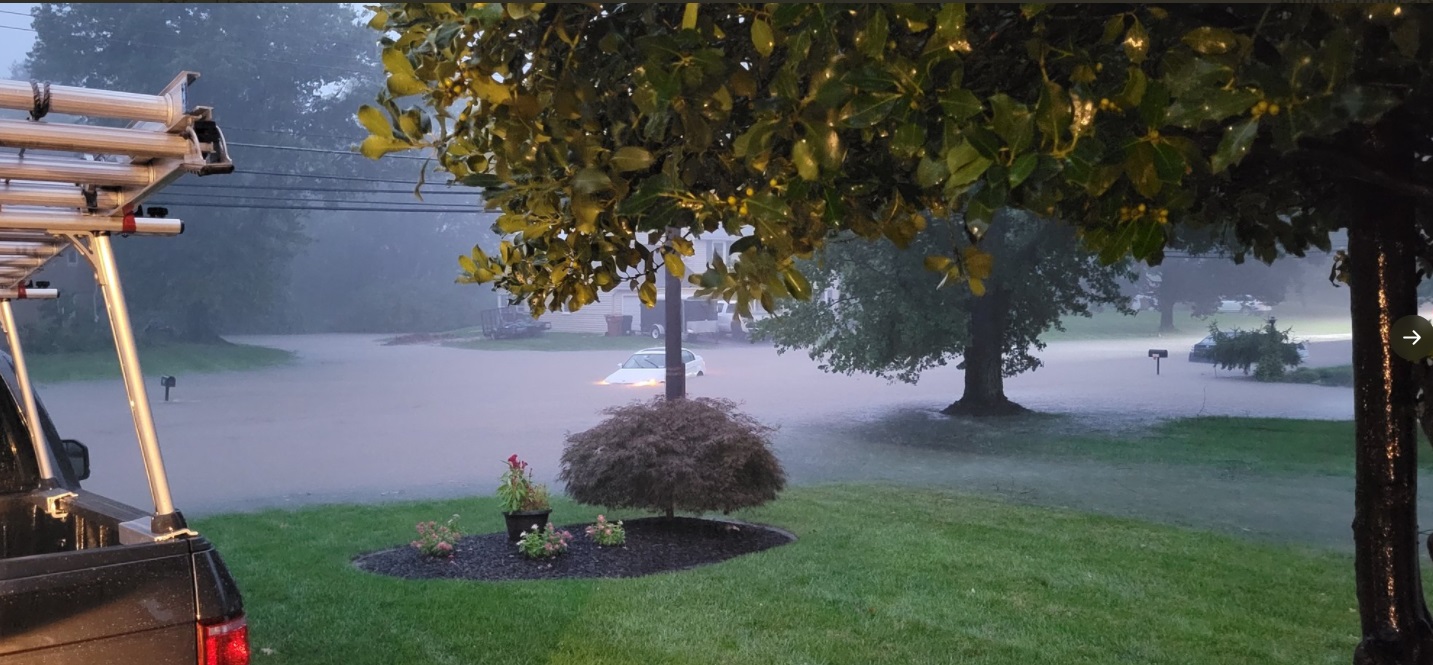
(525, 503)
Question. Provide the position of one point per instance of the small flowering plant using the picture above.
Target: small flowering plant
(543, 544)
(518, 492)
(437, 541)
(607, 534)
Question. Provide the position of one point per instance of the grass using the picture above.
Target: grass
(1339, 375)
(559, 341)
(880, 575)
(173, 359)
(1263, 445)
(1110, 324)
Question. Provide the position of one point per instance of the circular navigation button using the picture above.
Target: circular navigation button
(1412, 338)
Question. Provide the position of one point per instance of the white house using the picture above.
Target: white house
(622, 300)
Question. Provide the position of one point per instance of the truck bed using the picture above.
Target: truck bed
(71, 593)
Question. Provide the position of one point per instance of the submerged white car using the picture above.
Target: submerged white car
(649, 367)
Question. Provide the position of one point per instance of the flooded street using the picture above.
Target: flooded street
(354, 420)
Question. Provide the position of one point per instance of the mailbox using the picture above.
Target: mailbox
(1157, 354)
(167, 382)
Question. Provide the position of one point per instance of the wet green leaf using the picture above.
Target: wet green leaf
(959, 103)
(1052, 111)
(1405, 37)
(374, 121)
(1139, 168)
(374, 146)
(1113, 29)
(762, 37)
(965, 164)
(871, 38)
(1021, 169)
(1135, 84)
(1209, 105)
(1211, 41)
(805, 161)
(591, 180)
(1012, 122)
(631, 158)
(868, 109)
(1234, 145)
(1136, 43)
(1168, 163)
(983, 140)
(931, 172)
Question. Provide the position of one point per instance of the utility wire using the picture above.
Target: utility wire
(280, 174)
(161, 202)
(325, 151)
(8, 11)
(15, 27)
(293, 199)
(352, 190)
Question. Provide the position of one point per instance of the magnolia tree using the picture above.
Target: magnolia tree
(602, 130)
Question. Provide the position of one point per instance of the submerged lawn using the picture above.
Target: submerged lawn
(1265, 445)
(171, 359)
(879, 575)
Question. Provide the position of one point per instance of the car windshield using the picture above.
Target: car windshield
(645, 361)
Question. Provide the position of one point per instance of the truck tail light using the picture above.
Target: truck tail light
(224, 643)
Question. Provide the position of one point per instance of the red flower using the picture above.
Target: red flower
(512, 461)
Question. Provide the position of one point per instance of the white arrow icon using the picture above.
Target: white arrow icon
(1413, 337)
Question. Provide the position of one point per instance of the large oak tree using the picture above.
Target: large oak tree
(596, 127)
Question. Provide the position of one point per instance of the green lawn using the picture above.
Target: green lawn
(173, 359)
(1260, 445)
(1110, 324)
(880, 575)
(1339, 375)
(558, 341)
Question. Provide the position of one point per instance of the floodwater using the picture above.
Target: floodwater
(354, 420)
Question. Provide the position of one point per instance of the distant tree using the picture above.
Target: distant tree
(1267, 350)
(1201, 283)
(231, 268)
(881, 313)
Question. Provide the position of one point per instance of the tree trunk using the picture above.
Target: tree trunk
(676, 369)
(984, 380)
(1166, 304)
(1392, 611)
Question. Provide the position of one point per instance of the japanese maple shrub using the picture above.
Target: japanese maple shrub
(693, 455)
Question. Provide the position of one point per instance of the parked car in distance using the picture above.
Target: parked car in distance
(726, 314)
(1244, 305)
(648, 367)
(1203, 351)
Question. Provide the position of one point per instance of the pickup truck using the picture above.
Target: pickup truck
(73, 590)
(84, 579)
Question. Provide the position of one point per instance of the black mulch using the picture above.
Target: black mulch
(654, 545)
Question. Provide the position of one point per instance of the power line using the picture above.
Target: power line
(456, 206)
(327, 177)
(7, 11)
(272, 206)
(287, 132)
(319, 150)
(15, 27)
(355, 190)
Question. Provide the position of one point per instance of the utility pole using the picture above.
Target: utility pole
(676, 369)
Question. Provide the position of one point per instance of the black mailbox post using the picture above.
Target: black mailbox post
(167, 382)
(1157, 354)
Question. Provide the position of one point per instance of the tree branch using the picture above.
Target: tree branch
(1341, 164)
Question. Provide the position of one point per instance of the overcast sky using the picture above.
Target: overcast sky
(14, 44)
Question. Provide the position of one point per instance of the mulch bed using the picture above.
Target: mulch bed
(654, 545)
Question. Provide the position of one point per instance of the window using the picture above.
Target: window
(687, 356)
(718, 248)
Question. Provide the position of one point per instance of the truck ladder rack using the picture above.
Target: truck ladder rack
(84, 185)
